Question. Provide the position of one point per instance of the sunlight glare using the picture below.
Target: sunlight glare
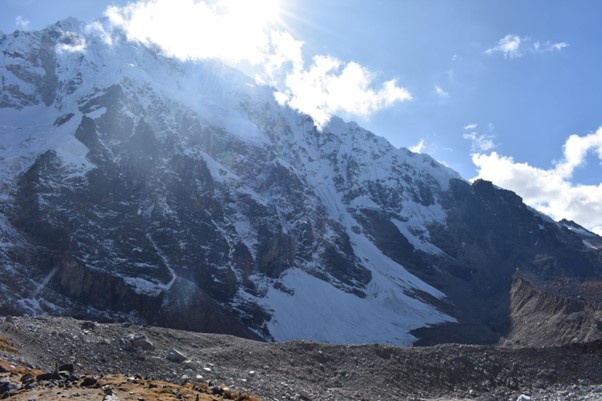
(232, 30)
(256, 19)
(258, 12)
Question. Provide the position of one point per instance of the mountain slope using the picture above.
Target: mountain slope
(147, 189)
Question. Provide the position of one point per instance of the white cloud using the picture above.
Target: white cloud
(190, 29)
(329, 87)
(97, 29)
(551, 191)
(558, 46)
(285, 52)
(21, 22)
(243, 34)
(71, 43)
(480, 142)
(509, 46)
(419, 147)
(441, 92)
(576, 148)
(513, 46)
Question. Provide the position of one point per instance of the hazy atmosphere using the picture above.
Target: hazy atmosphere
(301, 200)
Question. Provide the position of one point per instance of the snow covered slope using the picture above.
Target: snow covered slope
(139, 187)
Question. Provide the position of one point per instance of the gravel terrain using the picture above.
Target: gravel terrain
(297, 370)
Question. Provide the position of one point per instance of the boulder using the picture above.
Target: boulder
(89, 381)
(176, 356)
(142, 342)
(66, 367)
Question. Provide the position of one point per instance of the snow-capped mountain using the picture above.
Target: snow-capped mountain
(138, 187)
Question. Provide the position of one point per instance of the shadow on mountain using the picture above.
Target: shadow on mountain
(512, 275)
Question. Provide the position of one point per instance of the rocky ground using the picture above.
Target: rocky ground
(127, 362)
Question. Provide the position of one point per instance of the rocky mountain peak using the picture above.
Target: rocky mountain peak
(141, 188)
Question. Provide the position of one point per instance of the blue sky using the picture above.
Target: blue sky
(491, 88)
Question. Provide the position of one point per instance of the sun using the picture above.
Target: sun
(234, 31)
(245, 27)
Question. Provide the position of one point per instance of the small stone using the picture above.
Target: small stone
(67, 367)
(140, 355)
(48, 376)
(89, 381)
(512, 383)
(523, 397)
(27, 378)
(63, 374)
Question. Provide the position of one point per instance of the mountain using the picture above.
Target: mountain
(141, 188)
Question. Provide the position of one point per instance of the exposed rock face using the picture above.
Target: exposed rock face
(490, 234)
(547, 317)
(140, 188)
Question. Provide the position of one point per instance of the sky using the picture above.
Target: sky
(508, 91)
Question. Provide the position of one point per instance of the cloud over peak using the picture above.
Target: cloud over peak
(248, 35)
(551, 190)
(21, 22)
(330, 86)
(419, 147)
(479, 141)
